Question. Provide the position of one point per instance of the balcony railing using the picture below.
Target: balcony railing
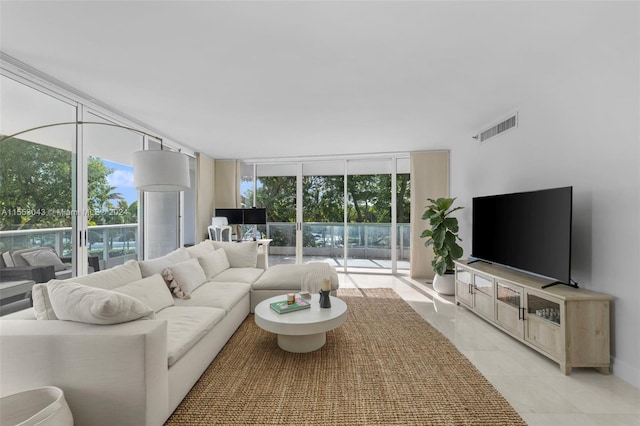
(365, 240)
(113, 244)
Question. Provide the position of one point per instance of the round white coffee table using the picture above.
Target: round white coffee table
(305, 330)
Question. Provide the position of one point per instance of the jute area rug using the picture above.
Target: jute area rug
(384, 365)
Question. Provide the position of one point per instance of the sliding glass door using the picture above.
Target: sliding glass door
(37, 173)
(275, 190)
(112, 204)
(323, 212)
(403, 213)
(68, 186)
(369, 214)
(350, 213)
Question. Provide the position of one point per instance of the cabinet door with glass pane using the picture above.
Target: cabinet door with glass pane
(464, 293)
(483, 294)
(545, 317)
(509, 312)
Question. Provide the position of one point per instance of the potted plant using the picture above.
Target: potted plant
(443, 237)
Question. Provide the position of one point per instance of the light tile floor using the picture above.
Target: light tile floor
(531, 383)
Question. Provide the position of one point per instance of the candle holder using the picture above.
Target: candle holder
(325, 301)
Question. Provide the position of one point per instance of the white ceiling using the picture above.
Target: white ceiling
(272, 79)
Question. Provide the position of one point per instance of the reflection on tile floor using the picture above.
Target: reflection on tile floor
(531, 383)
(361, 265)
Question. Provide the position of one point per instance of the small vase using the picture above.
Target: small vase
(325, 300)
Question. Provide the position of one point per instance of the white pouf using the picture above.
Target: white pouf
(41, 406)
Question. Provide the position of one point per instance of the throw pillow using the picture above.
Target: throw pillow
(81, 303)
(44, 257)
(200, 249)
(156, 266)
(174, 288)
(213, 263)
(240, 255)
(42, 303)
(111, 278)
(184, 277)
(152, 291)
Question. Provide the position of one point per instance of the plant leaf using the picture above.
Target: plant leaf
(440, 267)
(426, 233)
(444, 203)
(456, 251)
(451, 223)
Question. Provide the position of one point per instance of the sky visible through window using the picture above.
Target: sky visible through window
(122, 180)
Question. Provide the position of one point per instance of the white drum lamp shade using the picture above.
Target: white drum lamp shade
(160, 171)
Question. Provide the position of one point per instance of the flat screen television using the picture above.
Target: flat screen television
(234, 216)
(255, 216)
(529, 231)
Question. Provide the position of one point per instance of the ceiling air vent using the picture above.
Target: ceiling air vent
(498, 129)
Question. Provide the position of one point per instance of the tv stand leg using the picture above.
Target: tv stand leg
(565, 368)
(604, 370)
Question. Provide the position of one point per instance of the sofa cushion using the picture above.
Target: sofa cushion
(44, 256)
(289, 277)
(152, 291)
(200, 249)
(214, 263)
(18, 259)
(78, 302)
(7, 259)
(187, 275)
(156, 266)
(113, 277)
(186, 325)
(239, 275)
(240, 255)
(223, 295)
(42, 306)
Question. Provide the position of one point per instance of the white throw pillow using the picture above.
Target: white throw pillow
(200, 249)
(187, 276)
(111, 278)
(81, 303)
(240, 255)
(42, 303)
(213, 263)
(152, 291)
(44, 257)
(156, 266)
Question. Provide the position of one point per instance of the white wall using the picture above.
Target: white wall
(581, 131)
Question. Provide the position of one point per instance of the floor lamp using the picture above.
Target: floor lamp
(153, 170)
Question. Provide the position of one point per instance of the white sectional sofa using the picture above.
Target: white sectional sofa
(124, 346)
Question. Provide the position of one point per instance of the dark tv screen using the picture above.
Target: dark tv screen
(255, 216)
(234, 216)
(529, 231)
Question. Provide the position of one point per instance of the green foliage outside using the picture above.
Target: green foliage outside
(36, 183)
(36, 189)
(369, 201)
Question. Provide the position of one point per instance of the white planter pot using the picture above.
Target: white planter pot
(445, 284)
(41, 406)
